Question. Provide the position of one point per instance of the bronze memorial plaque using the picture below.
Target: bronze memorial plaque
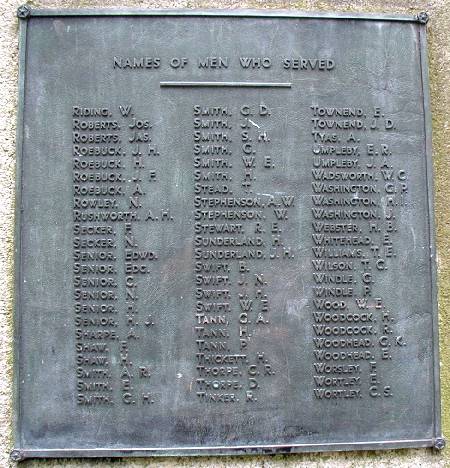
(224, 234)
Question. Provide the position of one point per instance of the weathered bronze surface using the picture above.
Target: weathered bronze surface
(224, 234)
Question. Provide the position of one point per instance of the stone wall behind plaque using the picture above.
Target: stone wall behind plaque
(439, 56)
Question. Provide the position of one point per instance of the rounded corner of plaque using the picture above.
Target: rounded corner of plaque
(423, 17)
(16, 455)
(24, 12)
(439, 443)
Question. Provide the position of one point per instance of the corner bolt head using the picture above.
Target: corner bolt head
(15, 456)
(439, 443)
(23, 12)
(423, 17)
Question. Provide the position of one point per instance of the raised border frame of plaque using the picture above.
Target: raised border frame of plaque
(24, 13)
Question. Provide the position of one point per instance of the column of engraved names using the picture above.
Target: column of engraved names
(259, 160)
(352, 245)
(230, 248)
(97, 188)
(139, 256)
(218, 369)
